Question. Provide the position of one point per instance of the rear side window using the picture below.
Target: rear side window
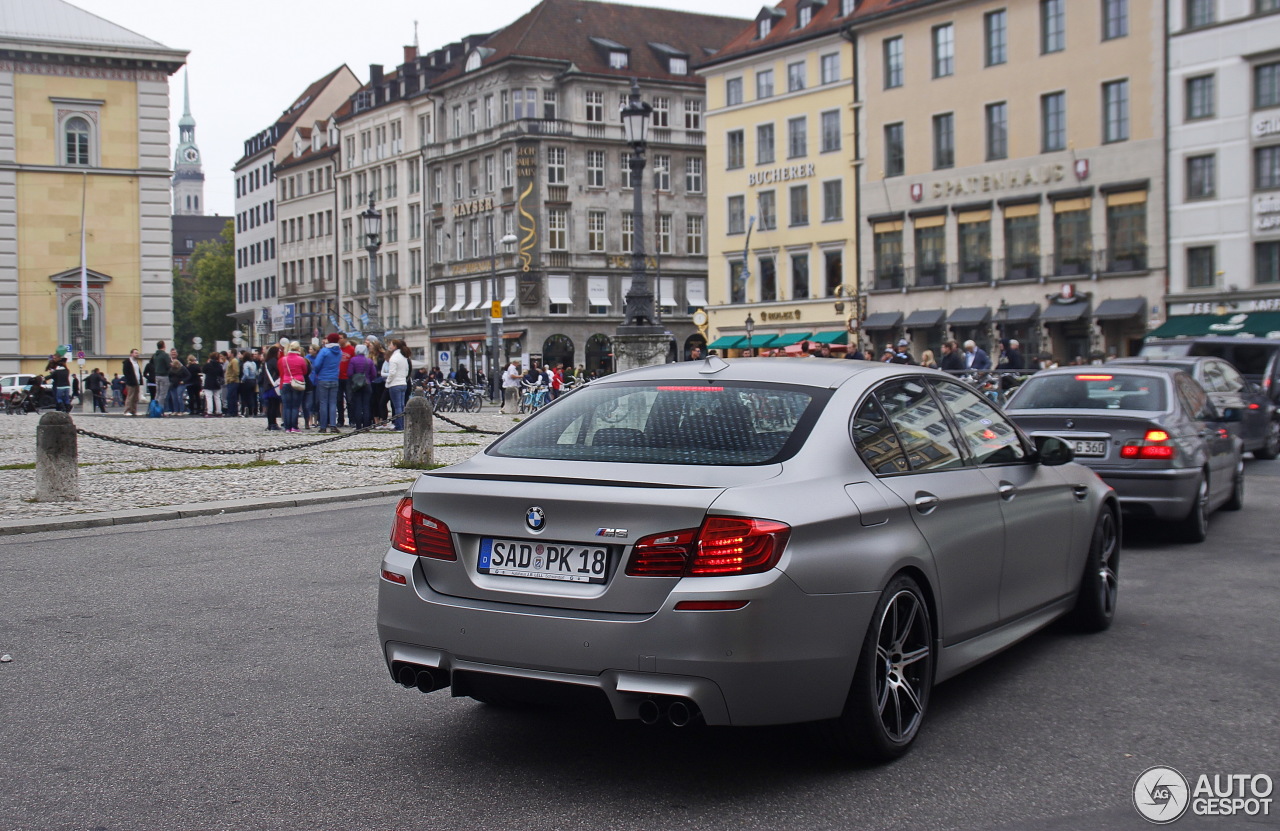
(1091, 391)
(876, 440)
(991, 439)
(927, 440)
(1194, 400)
(680, 423)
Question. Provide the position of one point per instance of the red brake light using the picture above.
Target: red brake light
(722, 546)
(691, 389)
(413, 532)
(1094, 377)
(1149, 447)
(1156, 435)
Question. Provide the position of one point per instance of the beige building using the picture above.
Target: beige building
(780, 158)
(1012, 182)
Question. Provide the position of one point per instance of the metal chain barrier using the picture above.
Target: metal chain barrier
(467, 428)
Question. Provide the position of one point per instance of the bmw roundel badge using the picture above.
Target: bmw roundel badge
(535, 518)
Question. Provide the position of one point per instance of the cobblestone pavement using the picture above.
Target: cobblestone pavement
(115, 476)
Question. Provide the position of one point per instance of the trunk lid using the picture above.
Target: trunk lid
(1088, 426)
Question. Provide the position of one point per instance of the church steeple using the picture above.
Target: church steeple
(188, 176)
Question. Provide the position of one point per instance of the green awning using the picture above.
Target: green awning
(759, 342)
(789, 339)
(838, 336)
(1256, 324)
(727, 342)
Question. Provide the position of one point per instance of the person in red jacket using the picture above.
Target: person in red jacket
(344, 375)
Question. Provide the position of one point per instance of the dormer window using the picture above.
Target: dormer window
(804, 16)
(848, 7)
(618, 60)
(619, 56)
(473, 61)
(763, 27)
(679, 66)
(677, 60)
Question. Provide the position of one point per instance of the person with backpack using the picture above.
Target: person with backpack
(361, 374)
(324, 373)
(248, 384)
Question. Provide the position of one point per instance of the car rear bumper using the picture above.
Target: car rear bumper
(1159, 494)
(785, 657)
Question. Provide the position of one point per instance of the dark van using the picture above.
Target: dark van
(1258, 359)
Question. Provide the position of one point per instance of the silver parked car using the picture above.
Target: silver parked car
(1151, 432)
(761, 541)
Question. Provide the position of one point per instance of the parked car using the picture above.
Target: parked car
(1258, 359)
(1229, 390)
(754, 542)
(9, 384)
(1151, 432)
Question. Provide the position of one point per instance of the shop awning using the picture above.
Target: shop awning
(970, 316)
(836, 336)
(760, 342)
(925, 318)
(1254, 324)
(1064, 312)
(789, 339)
(1120, 308)
(882, 320)
(727, 342)
(1020, 313)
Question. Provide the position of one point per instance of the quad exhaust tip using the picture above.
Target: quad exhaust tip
(425, 679)
(678, 712)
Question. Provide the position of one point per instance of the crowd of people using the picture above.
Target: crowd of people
(955, 356)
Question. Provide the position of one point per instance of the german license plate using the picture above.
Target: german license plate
(568, 562)
(1090, 448)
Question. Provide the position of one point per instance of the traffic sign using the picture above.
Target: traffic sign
(443, 358)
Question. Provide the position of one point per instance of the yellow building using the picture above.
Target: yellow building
(84, 129)
(780, 153)
(1013, 182)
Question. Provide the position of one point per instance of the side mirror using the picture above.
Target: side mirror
(1053, 451)
(1230, 415)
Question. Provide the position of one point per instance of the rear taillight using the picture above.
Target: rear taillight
(722, 546)
(413, 532)
(1151, 446)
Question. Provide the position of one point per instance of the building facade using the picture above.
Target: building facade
(306, 188)
(781, 158)
(188, 232)
(1012, 178)
(188, 173)
(1224, 168)
(259, 310)
(84, 154)
(524, 139)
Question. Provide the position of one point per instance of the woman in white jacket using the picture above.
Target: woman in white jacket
(398, 380)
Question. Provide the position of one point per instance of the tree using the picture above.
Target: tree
(184, 298)
(213, 269)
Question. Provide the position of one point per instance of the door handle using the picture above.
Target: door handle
(926, 502)
(1081, 492)
(1007, 491)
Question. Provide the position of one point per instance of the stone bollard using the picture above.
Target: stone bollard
(57, 472)
(419, 432)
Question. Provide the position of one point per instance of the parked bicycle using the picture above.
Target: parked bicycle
(534, 397)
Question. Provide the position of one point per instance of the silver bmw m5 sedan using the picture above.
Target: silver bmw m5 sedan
(748, 542)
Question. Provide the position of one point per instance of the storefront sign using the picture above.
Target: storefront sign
(1045, 174)
(469, 268)
(624, 261)
(778, 317)
(475, 206)
(526, 203)
(1266, 213)
(1266, 124)
(780, 174)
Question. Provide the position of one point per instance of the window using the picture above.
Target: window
(887, 251)
(662, 173)
(796, 76)
(1200, 12)
(524, 103)
(1201, 176)
(1115, 19)
(489, 174)
(560, 301)
(1267, 6)
(763, 27)
(1053, 122)
(1266, 262)
(797, 137)
(767, 210)
(595, 231)
(76, 135)
(995, 37)
(628, 231)
(1022, 241)
(595, 106)
(661, 114)
(737, 215)
(1073, 253)
(997, 131)
(508, 168)
(832, 200)
(457, 182)
(991, 439)
(1115, 107)
(768, 272)
(1199, 99)
(1053, 32)
(1200, 267)
(618, 60)
(944, 51)
(975, 246)
(556, 165)
(664, 233)
(558, 229)
(799, 276)
(1266, 85)
(804, 16)
(764, 144)
(829, 68)
(595, 168)
(894, 150)
(735, 150)
(693, 174)
(625, 170)
(893, 62)
(830, 131)
(732, 92)
(764, 83)
(693, 113)
(1266, 167)
(944, 144)
(1127, 231)
(678, 66)
(799, 196)
(693, 227)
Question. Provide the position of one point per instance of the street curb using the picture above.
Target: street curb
(196, 509)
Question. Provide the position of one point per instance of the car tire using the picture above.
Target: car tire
(890, 692)
(1100, 584)
(1236, 501)
(1271, 447)
(1195, 526)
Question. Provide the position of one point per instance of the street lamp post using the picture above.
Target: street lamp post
(495, 317)
(751, 328)
(371, 226)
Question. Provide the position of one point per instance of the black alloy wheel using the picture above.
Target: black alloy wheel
(1100, 585)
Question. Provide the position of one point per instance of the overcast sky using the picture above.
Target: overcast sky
(249, 59)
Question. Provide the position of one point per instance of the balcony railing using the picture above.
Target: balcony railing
(557, 193)
(558, 259)
(391, 281)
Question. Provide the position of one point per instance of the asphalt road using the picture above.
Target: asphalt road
(223, 673)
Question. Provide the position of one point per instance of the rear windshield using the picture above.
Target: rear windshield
(1250, 359)
(678, 423)
(1091, 391)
